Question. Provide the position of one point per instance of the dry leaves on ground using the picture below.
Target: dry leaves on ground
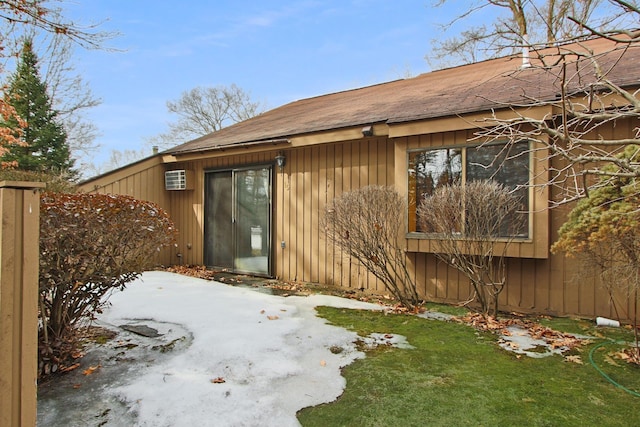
(555, 339)
(629, 355)
(199, 271)
(574, 359)
(91, 369)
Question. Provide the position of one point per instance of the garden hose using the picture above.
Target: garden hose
(607, 377)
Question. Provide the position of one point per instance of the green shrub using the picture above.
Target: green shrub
(89, 245)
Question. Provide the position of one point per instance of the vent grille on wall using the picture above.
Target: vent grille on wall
(178, 180)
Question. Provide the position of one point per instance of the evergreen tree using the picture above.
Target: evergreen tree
(45, 147)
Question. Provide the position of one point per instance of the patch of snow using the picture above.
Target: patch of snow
(435, 315)
(255, 359)
(392, 340)
(520, 341)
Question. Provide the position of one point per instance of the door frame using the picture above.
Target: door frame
(270, 220)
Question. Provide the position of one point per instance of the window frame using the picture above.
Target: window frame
(529, 152)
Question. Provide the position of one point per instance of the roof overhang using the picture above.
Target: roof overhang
(422, 126)
(223, 150)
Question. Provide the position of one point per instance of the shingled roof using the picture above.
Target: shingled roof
(465, 89)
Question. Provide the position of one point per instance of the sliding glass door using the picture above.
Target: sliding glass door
(238, 220)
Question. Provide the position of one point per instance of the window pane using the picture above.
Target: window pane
(429, 170)
(508, 165)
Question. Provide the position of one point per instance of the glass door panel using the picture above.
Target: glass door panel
(237, 229)
(218, 230)
(252, 225)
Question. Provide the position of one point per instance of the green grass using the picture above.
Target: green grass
(457, 376)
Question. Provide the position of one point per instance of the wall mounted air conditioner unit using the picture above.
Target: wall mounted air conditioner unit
(178, 180)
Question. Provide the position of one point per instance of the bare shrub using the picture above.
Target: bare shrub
(89, 245)
(472, 226)
(368, 224)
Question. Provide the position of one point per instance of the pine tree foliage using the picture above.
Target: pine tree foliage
(45, 147)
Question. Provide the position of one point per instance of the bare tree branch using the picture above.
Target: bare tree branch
(368, 225)
(203, 110)
(39, 14)
(465, 222)
(524, 24)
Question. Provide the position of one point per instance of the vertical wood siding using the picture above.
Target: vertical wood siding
(144, 181)
(314, 175)
(19, 231)
(312, 178)
(555, 285)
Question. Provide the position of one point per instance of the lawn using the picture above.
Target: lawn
(457, 376)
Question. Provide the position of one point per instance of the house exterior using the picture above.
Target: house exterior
(249, 198)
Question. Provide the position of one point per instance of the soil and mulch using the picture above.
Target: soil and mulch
(280, 287)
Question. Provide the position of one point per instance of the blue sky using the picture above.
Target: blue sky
(278, 51)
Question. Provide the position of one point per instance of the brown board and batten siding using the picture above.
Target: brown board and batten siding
(537, 280)
(328, 153)
(312, 177)
(143, 180)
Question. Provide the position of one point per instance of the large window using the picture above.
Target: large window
(432, 168)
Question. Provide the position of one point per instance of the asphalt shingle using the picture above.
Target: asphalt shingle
(495, 83)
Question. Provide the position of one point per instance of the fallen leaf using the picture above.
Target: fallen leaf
(90, 370)
(610, 360)
(261, 311)
(77, 386)
(218, 380)
(69, 368)
(575, 359)
(274, 317)
(323, 363)
(622, 355)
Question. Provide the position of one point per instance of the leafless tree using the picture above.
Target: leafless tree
(368, 224)
(44, 15)
(203, 110)
(117, 159)
(518, 24)
(56, 38)
(589, 140)
(593, 97)
(472, 226)
(70, 94)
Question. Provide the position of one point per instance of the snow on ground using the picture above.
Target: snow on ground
(255, 359)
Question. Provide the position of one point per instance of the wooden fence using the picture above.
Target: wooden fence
(19, 232)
